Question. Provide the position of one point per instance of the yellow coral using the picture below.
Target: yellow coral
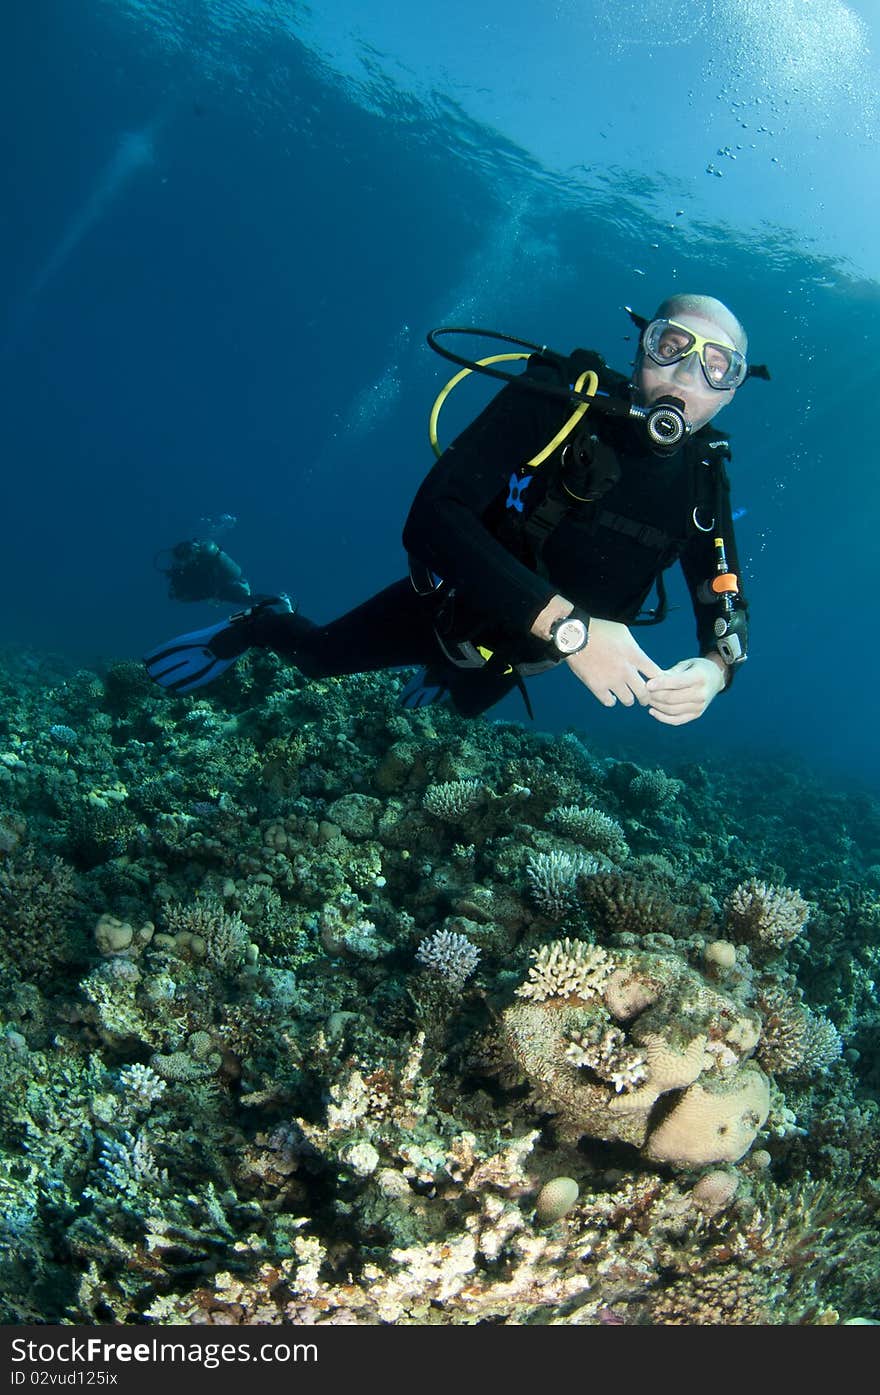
(102, 799)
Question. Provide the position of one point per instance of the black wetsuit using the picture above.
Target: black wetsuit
(465, 529)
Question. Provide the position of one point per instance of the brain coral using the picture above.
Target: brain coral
(713, 1122)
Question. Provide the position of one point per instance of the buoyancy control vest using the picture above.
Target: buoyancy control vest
(583, 468)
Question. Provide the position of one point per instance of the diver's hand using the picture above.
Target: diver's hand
(682, 693)
(613, 666)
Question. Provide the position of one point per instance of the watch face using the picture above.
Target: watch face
(570, 636)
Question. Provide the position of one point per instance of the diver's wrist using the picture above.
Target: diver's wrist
(724, 669)
(557, 608)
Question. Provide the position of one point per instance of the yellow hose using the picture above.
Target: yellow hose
(590, 378)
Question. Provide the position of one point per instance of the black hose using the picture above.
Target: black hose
(517, 379)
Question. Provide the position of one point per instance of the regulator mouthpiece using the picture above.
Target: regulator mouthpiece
(666, 424)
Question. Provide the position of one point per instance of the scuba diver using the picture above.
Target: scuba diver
(199, 570)
(539, 534)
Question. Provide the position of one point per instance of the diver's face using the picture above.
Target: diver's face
(685, 379)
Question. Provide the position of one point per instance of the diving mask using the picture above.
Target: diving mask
(667, 342)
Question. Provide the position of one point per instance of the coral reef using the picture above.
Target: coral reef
(315, 1010)
(604, 1081)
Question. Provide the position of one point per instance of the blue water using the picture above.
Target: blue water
(232, 224)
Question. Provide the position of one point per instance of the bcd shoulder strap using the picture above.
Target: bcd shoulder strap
(583, 467)
(707, 454)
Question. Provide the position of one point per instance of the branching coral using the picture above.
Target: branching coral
(653, 789)
(766, 915)
(196, 1131)
(37, 899)
(454, 799)
(595, 830)
(623, 904)
(553, 879)
(450, 955)
(722, 1296)
(567, 969)
(223, 934)
(608, 1054)
(794, 1040)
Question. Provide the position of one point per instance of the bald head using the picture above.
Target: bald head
(706, 307)
(685, 377)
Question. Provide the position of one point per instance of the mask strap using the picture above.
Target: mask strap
(639, 321)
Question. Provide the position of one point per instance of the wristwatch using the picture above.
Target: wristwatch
(569, 635)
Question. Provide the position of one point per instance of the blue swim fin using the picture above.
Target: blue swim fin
(424, 689)
(190, 661)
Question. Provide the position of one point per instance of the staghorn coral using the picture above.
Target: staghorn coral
(767, 916)
(637, 1253)
(128, 1164)
(778, 1255)
(819, 1238)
